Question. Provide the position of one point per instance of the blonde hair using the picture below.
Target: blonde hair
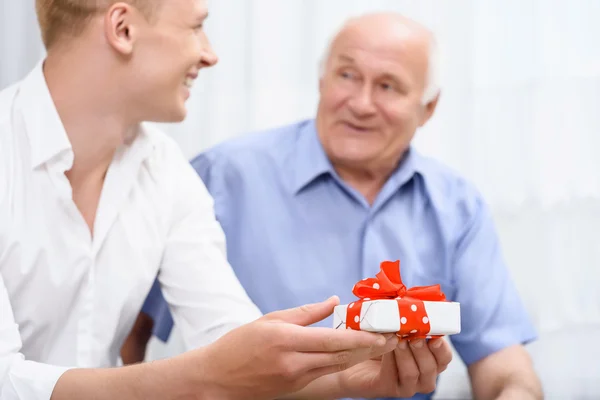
(58, 18)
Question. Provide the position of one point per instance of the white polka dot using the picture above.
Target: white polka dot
(367, 299)
(404, 335)
(413, 307)
(351, 305)
(356, 318)
(403, 320)
(428, 337)
(413, 331)
(376, 286)
(425, 320)
(348, 327)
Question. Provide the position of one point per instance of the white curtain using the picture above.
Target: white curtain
(519, 116)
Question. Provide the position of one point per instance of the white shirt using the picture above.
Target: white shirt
(70, 300)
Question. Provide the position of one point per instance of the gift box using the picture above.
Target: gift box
(386, 305)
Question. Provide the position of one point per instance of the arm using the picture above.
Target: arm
(204, 295)
(495, 324)
(22, 379)
(506, 374)
(165, 379)
(267, 358)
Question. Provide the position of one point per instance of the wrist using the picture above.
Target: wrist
(201, 377)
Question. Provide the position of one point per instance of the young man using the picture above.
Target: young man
(315, 205)
(94, 204)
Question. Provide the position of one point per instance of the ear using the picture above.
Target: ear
(428, 110)
(119, 28)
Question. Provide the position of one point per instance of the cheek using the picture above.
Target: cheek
(400, 116)
(333, 98)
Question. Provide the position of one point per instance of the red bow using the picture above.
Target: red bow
(388, 285)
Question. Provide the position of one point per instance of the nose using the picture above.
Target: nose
(361, 102)
(208, 57)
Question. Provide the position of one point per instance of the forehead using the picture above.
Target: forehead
(393, 54)
(183, 10)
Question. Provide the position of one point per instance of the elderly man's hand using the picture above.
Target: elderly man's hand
(411, 368)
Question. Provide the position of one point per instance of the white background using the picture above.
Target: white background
(519, 116)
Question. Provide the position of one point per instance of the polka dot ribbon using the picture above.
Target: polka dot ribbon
(414, 321)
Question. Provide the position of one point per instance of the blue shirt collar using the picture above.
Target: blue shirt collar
(310, 161)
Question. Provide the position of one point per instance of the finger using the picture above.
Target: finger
(329, 340)
(341, 359)
(307, 314)
(427, 365)
(379, 351)
(442, 353)
(408, 371)
(389, 371)
(320, 372)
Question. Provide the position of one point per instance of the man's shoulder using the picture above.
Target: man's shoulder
(448, 190)
(259, 148)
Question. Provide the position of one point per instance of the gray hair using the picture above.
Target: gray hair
(432, 86)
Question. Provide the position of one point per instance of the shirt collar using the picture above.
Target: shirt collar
(47, 136)
(311, 161)
(410, 165)
(46, 133)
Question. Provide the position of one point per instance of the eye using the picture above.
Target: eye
(347, 75)
(387, 86)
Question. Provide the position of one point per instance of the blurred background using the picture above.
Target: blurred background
(519, 116)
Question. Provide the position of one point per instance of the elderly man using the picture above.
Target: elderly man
(94, 205)
(315, 206)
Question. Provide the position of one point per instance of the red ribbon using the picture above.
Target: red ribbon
(388, 285)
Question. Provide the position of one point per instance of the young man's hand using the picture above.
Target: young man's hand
(278, 354)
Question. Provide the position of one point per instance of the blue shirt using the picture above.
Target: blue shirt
(296, 233)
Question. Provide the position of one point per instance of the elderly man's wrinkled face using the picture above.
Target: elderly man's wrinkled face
(371, 92)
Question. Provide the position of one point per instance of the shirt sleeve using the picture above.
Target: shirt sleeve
(21, 379)
(493, 316)
(206, 298)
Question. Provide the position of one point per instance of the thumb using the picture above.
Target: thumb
(307, 314)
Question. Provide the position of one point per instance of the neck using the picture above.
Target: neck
(367, 181)
(89, 107)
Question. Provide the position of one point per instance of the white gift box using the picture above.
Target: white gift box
(383, 316)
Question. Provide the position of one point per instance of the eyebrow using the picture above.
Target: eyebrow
(346, 58)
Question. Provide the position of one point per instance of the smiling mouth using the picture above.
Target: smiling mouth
(357, 128)
(189, 82)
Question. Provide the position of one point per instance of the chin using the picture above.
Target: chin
(180, 117)
(174, 115)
